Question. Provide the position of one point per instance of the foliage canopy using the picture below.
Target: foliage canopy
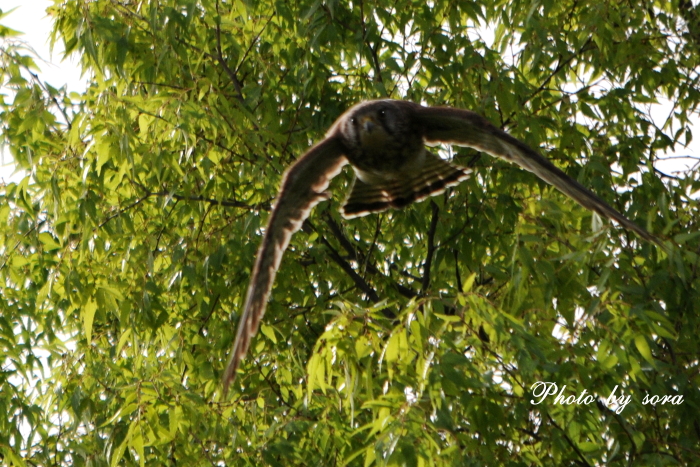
(126, 250)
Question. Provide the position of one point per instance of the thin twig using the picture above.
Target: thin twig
(356, 255)
(344, 265)
(431, 245)
(222, 62)
(123, 210)
(458, 276)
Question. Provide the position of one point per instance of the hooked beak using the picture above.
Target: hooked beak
(367, 123)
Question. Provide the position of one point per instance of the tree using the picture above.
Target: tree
(408, 338)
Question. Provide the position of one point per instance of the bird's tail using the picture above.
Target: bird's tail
(432, 178)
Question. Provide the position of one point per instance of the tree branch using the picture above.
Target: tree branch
(431, 246)
(458, 276)
(266, 206)
(588, 45)
(362, 259)
(124, 209)
(222, 62)
(344, 265)
(39, 83)
(372, 50)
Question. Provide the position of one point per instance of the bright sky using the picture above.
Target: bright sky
(30, 18)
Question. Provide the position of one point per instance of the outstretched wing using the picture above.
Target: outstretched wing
(465, 128)
(302, 188)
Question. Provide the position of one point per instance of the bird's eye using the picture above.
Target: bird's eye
(382, 113)
(353, 120)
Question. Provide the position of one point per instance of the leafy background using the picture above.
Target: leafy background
(407, 338)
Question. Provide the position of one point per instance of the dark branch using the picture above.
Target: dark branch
(372, 50)
(561, 65)
(458, 276)
(222, 62)
(362, 259)
(570, 442)
(344, 265)
(124, 209)
(228, 202)
(431, 245)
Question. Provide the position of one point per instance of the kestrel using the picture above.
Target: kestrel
(384, 141)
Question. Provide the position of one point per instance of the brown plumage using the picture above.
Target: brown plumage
(385, 141)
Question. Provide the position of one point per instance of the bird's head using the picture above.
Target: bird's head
(371, 130)
(379, 136)
(372, 125)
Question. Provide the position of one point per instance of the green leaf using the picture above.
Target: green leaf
(686, 237)
(88, 312)
(269, 332)
(641, 343)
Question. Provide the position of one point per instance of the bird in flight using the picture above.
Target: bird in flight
(384, 141)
